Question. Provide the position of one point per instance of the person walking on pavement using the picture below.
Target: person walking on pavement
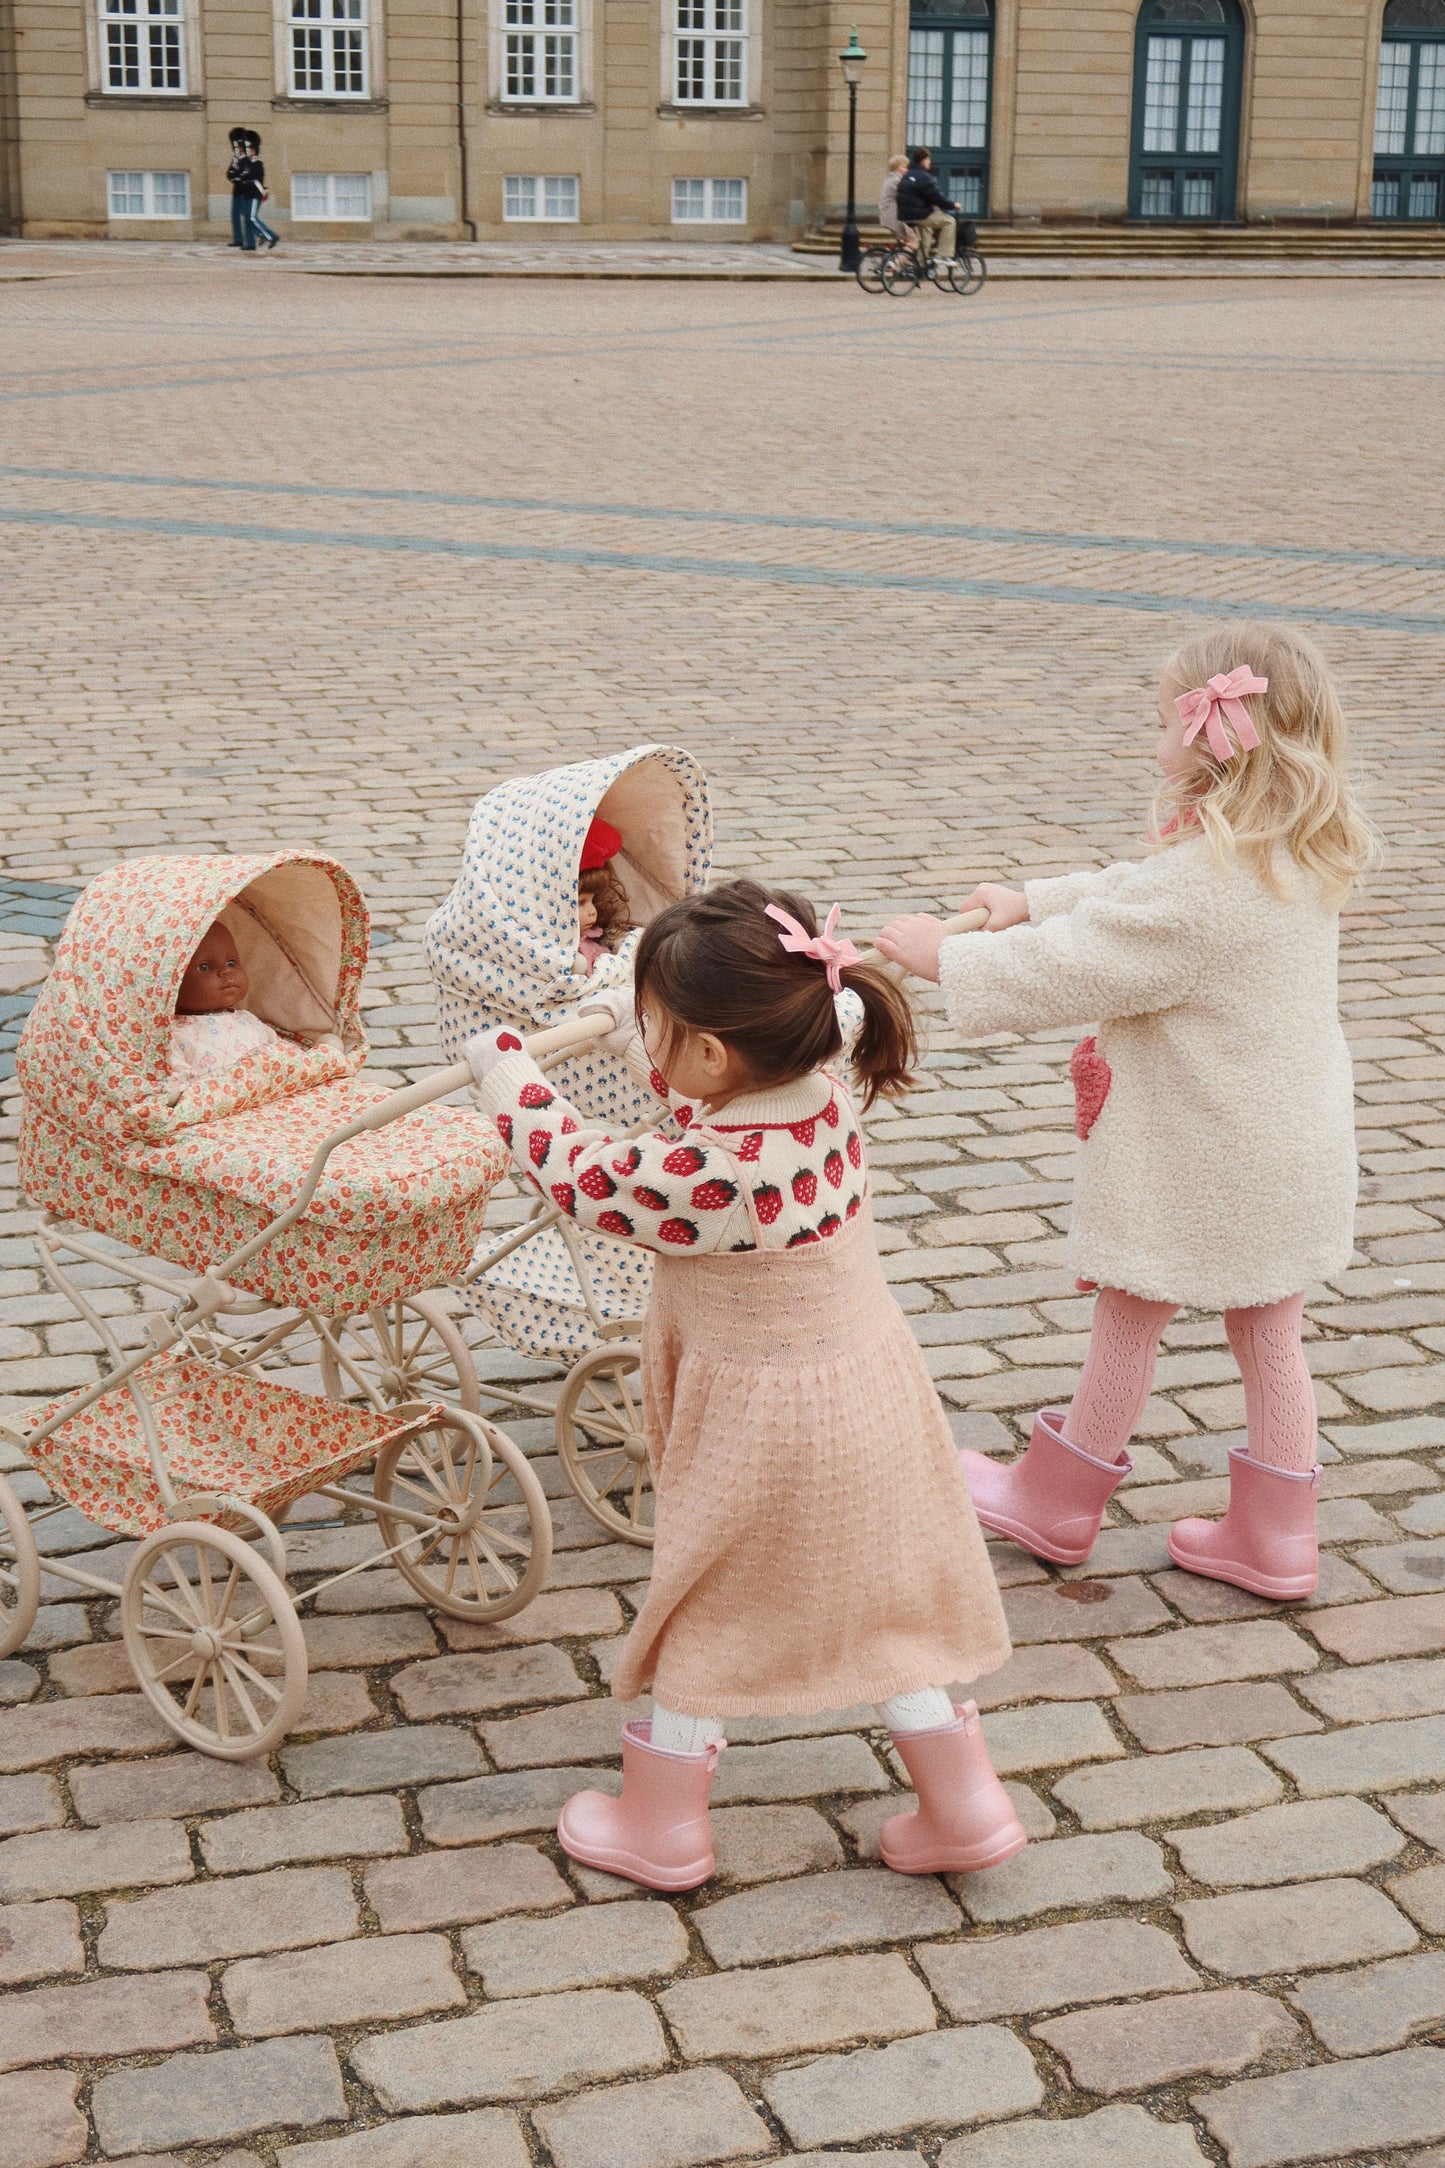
(256, 194)
(240, 199)
(922, 203)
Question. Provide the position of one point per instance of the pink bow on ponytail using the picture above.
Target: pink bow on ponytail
(1205, 708)
(836, 956)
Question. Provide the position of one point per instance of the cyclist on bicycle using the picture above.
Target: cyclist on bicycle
(888, 216)
(922, 203)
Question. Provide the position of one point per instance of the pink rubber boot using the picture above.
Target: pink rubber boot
(965, 1818)
(1052, 1501)
(658, 1832)
(1266, 1541)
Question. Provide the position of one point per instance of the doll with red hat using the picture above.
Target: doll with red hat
(603, 915)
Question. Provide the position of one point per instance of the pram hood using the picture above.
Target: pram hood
(505, 940)
(96, 1049)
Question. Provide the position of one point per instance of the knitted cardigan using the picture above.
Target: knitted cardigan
(1221, 1170)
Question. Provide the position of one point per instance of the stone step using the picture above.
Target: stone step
(1411, 244)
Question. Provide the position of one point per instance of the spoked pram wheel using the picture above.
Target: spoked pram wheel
(405, 1351)
(19, 1572)
(481, 1538)
(601, 1441)
(214, 1640)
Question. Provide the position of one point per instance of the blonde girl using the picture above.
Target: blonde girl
(815, 1543)
(1216, 1103)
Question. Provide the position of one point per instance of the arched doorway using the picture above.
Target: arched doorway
(1410, 112)
(1188, 78)
(950, 57)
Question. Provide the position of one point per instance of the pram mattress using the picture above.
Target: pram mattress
(398, 1210)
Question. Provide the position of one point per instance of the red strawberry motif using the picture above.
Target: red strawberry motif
(769, 1202)
(829, 1224)
(564, 1194)
(656, 1200)
(805, 1185)
(614, 1223)
(597, 1183)
(569, 1127)
(854, 1206)
(680, 1231)
(658, 1082)
(682, 1116)
(830, 1114)
(539, 1144)
(576, 1152)
(805, 1234)
(535, 1095)
(805, 1131)
(751, 1145)
(713, 1196)
(833, 1170)
(687, 1159)
(629, 1163)
(504, 1127)
(508, 1043)
(854, 1149)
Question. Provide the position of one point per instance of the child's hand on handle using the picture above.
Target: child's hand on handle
(619, 1005)
(914, 941)
(1005, 906)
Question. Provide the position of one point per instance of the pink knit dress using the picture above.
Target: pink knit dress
(815, 1542)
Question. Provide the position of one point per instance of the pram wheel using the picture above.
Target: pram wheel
(601, 1441)
(19, 1572)
(409, 1350)
(214, 1640)
(482, 1538)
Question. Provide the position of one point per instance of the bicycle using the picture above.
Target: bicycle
(903, 272)
(869, 273)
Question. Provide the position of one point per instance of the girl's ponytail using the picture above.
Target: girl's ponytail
(887, 1043)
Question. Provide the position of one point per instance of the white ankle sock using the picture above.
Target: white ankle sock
(676, 1734)
(927, 1710)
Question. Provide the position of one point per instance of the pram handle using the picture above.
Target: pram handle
(965, 922)
(579, 1031)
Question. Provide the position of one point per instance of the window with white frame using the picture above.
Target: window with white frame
(547, 199)
(709, 203)
(149, 195)
(330, 197)
(329, 49)
(540, 52)
(711, 52)
(144, 46)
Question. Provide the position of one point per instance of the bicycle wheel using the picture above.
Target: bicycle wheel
(967, 273)
(900, 272)
(869, 273)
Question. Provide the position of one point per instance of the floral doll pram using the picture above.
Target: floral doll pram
(266, 1202)
(502, 949)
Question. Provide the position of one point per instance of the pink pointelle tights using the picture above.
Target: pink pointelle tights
(1279, 1397)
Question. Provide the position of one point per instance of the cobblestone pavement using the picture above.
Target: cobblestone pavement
(321, 564)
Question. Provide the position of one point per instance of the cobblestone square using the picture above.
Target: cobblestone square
(304, 559)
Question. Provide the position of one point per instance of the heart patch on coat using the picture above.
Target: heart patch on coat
(1092, 1077)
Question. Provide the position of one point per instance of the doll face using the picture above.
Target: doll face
(586, 914)
(213, 979)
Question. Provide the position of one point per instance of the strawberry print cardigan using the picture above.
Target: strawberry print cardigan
(797, 1147)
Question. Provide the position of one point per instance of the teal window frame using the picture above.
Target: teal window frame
(962, 170)
(1408, 186)
(1183, 173)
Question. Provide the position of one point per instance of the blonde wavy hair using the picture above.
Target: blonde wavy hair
(1292, 795)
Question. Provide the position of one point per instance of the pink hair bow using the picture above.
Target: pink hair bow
(836, 956)
(1205, 708)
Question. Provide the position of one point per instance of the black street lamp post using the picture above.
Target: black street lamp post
(851, 60)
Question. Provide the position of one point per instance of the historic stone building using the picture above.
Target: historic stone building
(631, 119)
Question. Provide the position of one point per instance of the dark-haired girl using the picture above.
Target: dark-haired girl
(815, 1543)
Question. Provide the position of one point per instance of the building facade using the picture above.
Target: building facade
(644, 119)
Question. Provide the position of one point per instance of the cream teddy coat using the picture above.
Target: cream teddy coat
(1221, 1171)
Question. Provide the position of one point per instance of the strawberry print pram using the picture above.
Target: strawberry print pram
(249, 1211)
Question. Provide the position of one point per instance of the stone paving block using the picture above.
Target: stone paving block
(672, 2122)
(513, 2050)
(378, 1761)
(1072, 1611)
(557, 1614)
(1330, 2111)
(315, 1829)
(449, 1889)
(483, 2138)
(335, 1701)
(824, 2002)
(284, 2084)
(72, 1862)
(1298, 1841)
(18, 1681)
(351, 1983)
(823, 1912)
(375, 1637)
(38, 1942)
(1043, 1673)
(1109, 2138)
(286, 1908)
(1120, 1795)
(1366, 1758)
(1214, 1716)
(174, 1784)
(1133, 2046)
(1205, 1655)
(1422, 1813)
(44, 1731)
(1408, 1626)
(29, 1803)
(474, 1684)
(1067, 1875)
(504, 1806)
(1375, 2006)
(1367, 1693)
(1127, 1549)
(1089, 1961)
(798, 1768)
(764, 1844)
(1423, 1896)
(1406, 1567)
(106, 2018)
(40, 2125)
(593, 1946)
(1048, 1736)
(973, 2075)
(1293, 1929)
(587, 1731)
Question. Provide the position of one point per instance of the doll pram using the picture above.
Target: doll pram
(502, 950)
(265, 1203)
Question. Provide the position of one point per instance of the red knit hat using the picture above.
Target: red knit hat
(601, 843)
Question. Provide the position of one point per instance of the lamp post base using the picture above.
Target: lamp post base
(850, 255)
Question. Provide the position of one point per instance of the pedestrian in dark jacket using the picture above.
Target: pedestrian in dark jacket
(256, 185)
(240, 196)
